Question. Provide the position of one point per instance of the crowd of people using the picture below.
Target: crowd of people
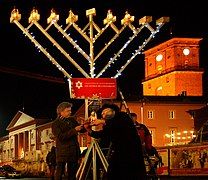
(128, 142)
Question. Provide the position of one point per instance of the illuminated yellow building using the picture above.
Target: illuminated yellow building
(172, 69)
(167, 118)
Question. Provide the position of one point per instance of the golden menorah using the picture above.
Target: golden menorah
(91, 33)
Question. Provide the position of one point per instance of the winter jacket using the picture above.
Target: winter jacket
(67, 146)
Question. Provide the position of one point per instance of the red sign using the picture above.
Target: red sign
(83, 88)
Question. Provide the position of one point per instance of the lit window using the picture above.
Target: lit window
(186, 51)
(172, 136)
(159, 88)
(159, 57)
(171, 114)
(150, 115)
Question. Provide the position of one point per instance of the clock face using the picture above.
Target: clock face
(159, 57)
(186, 51)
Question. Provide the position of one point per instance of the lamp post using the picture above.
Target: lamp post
(142, 110)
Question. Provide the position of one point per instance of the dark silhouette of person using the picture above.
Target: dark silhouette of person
(144, 134)
(126, 159)
(65, 130)
(202, 158)
(155, 160)
(51, 161)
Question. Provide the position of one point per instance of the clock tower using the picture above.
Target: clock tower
(172, 69)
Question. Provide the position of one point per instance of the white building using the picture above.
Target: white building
(29, 139)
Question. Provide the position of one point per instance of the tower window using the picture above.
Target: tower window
(159, 88)
(186, 51)
(159, 57)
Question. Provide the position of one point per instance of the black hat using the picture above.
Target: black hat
(111, 106)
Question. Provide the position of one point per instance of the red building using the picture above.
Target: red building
(172, 68)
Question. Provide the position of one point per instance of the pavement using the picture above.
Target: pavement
(159, 178)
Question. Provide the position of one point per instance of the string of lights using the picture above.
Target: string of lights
(71, 22)
(138, 51)
(14, 18)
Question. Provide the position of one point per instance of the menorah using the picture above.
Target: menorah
(126, 22)
(92, 36)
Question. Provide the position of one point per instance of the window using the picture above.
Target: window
(171, 114)
(167, 79)
(152, 132)
(149, 86)
(159, 90)
(193, 114)
(150, 115)
(159, 57)
(186, 51)
(172, 136)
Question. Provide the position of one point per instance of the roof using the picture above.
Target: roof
(172, 42)
(167, 99)
(21, 120)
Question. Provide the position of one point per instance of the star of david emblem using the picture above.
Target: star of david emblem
(79, 84)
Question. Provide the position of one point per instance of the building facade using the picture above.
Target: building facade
(29, 140)
(167, 118)
(172, 69)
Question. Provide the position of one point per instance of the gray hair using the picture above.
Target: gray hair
(63, 106)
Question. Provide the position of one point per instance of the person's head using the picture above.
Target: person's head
(109, 111)
(64, 109)
(133, 117)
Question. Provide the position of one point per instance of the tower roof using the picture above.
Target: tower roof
(172, 42)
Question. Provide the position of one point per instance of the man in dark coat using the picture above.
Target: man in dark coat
(144, 134)
(126, 160)
(65, 129)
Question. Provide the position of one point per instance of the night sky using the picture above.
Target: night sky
(39, 98)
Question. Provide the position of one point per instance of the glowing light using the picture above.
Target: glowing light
(180, 138)
(159, 88)
(22, 154)
(90, 36)
(186, 51)
(167, 135)
(159, 57)
(159, 68)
